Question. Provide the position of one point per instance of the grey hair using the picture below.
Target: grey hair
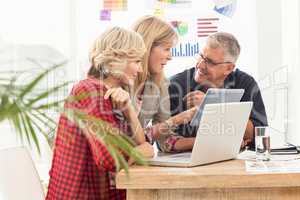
(227, 42)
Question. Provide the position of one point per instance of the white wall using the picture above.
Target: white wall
(29, 23)
(278, 23)
(242, 24)
(70, 26)
(291, 54)
(269, 54)
(36, 22)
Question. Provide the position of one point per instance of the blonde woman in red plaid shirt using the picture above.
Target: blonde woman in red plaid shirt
(82, 167)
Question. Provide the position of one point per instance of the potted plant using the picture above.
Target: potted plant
(25, 107)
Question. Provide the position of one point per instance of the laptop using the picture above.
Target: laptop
(216, 95)
(219, 136)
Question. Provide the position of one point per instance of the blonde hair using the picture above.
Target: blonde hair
(113, 49)
(154, 32)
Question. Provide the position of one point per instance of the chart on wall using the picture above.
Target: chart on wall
(193, 21)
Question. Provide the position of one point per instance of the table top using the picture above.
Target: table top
(226, 174)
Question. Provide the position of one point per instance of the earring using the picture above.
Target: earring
(104, 71)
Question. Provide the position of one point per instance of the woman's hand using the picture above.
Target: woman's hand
(165, 127)
(145, 149)
(184, 117)
(120, 100)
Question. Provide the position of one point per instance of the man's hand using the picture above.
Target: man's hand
(193, 98)
(245, 143)
(249, 135)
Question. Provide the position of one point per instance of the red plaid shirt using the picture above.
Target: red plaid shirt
(82, 168)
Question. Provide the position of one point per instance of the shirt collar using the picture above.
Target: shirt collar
(230, 80)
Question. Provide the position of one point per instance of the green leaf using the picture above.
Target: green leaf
(46, 94)
(17, 100)
(25, 128)
(108, 135)
(35, 81)
(15, 120)
(32, 132)
(113, 154)
(124, 164)
(126, 147)
(83, 95)
(46, 135)
(46, 119)
(49, 105)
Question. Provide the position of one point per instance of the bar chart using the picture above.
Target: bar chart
(185, 49)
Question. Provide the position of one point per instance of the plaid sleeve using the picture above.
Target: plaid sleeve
(81, 165)
(97, 106)
(101, 156)
(167, 142)
(68, 159)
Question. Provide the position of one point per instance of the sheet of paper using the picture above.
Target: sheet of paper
(277, 163)
(250, 156)
(273, 166)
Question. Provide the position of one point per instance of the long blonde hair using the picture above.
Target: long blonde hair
(112, 50)
(154, 32)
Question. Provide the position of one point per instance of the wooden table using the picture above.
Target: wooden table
(224, 180)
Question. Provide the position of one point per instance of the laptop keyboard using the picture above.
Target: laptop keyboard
(181, 157)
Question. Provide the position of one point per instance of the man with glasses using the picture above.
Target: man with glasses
(215, 68)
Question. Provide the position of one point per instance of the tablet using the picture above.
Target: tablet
(216, 95)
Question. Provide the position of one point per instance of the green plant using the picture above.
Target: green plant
(116, 142)
(27, 108)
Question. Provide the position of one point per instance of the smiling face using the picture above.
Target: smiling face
(131, 71)
(212, 68)
(159, 57)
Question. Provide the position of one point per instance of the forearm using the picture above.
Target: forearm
(184, 144)
(183, 117)
(177, 119)
(145, 149)
(135, 126)
(249, 133)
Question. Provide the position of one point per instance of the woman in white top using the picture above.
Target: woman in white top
(151, 87)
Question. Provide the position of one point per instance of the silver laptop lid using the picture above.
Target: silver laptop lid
(216, 95)
(220, 132)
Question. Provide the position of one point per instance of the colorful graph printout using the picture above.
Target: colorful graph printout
(159, 12)
(168, 4)
(105, 15)
(115, 5)
(185, 50)
(227, 11)
(223, 3)
(207, 26)
(176, 1)
(180, 27)
(167, 1)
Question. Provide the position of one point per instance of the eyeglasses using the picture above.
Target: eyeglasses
(209, 62)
